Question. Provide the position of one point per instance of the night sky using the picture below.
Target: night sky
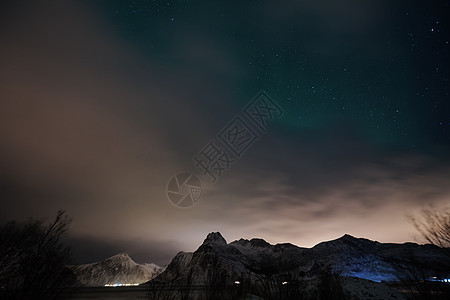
(102, 102)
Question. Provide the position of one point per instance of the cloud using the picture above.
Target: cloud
(88, 250)
(308, 193)
(92, 123)
(87, 123)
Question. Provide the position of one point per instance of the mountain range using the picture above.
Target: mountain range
(360, 264)
(347, 256)
(345, 268)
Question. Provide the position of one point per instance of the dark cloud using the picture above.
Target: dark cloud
(88, 250)
(321, 188)
(95, 121)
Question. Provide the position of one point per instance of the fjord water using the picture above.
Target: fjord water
(110, 293)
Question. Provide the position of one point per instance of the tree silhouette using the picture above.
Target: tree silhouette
(33, 259)
(330, 286)
(434, 226)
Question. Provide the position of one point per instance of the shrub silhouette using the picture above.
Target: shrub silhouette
(33, 259)
(434, 227)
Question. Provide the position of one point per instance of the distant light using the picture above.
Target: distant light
(237, 282)
(284, 282)
(434, 278)
(121, 284)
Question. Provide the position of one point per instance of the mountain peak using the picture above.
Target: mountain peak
(122, 258)
(215, 237)
(119, 268)
(259, 243)
(255, 243)
(122, 255)
(348, 237)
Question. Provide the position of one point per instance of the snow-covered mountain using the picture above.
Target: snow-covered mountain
(255, 260)
(116, 270)
(376, 261)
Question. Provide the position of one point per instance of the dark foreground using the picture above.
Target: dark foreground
(117, 293)
(353, 289)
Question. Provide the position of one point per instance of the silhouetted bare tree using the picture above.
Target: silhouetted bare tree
(330, 286)
(33, 259)
(434, 226)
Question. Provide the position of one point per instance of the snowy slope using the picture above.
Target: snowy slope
(118, 269)
(256, 260)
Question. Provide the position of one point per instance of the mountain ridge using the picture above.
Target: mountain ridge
(118, 269)
(256, 259)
